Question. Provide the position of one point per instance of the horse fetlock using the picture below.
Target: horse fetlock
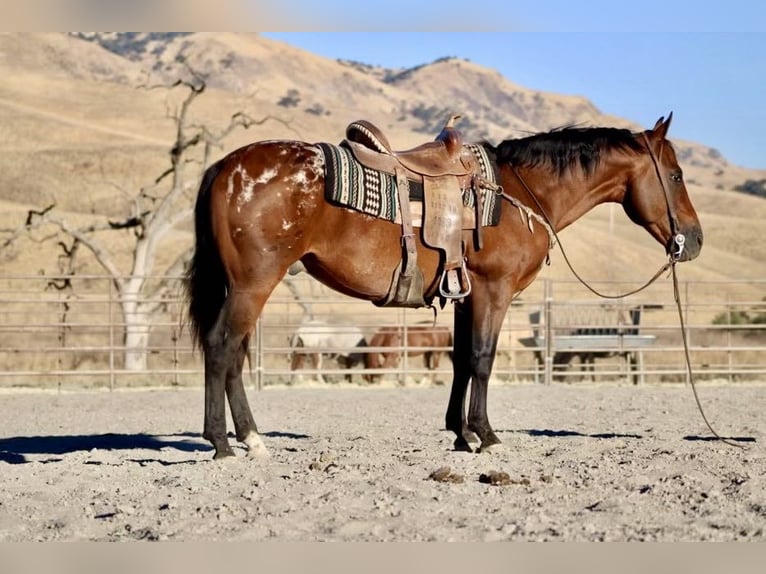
(255, 446)
(219, 441)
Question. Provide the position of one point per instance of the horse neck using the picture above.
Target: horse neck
(569, 196)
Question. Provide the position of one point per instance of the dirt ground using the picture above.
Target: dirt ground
(580, 463)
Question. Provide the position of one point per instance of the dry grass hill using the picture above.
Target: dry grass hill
(81, 128)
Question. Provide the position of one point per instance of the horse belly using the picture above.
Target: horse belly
(357, 254)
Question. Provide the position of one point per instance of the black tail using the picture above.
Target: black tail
(205, 282)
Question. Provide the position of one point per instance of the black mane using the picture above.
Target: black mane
(565, 147)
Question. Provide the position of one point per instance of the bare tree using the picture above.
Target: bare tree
(155, 210)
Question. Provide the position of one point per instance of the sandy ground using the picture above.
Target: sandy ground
(579, 463)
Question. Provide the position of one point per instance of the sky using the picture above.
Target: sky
(704, 61)
(708, 69)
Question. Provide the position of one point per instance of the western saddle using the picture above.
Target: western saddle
(444, 156)
(445, 168)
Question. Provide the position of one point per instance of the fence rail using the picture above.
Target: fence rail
(77, 336)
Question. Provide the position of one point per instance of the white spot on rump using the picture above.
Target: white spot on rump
(247, 183)
(300, 178)
(316, 163)
(267, 175)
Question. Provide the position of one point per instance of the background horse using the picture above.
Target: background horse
(314, 339)
(430, 341)
(262, 207)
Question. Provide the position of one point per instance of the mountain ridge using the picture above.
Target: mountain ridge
(89, 123)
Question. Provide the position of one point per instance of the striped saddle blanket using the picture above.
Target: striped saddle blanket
(351, 184)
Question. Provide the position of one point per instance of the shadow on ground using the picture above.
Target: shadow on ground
(13, 449)
(570, 433)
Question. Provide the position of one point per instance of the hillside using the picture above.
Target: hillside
(84, 126)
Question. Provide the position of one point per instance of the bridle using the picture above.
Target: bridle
(678, 238)
(674, 256)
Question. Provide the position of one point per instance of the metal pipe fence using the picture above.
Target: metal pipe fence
(76, 335)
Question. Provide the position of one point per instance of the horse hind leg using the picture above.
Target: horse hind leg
(225, 348)
(244, 423)
(220, 351)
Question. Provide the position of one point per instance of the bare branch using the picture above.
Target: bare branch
(32, 213)
(135, 221)
(155, 299)
(102, 254)
(153, 210)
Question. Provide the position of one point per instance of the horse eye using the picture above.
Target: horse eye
(676, 177)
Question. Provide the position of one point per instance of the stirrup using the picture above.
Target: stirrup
(450, 284)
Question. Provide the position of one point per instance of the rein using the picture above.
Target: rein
(552, 230)
(673, 258)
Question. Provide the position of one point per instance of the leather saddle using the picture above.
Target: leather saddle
(445, 156)
(444, 167)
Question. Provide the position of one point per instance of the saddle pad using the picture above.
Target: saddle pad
(350, 184)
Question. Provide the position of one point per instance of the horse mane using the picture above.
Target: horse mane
(565, 147)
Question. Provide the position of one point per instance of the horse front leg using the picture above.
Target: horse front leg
(461, 375)
(488, 308)
(478, 421)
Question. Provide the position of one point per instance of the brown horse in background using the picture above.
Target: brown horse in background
(430, 341)
(263, 207)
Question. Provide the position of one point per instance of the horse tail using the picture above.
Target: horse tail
(206, 282)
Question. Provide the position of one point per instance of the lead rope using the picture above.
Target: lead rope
(673, 259)
(660, 271)
(677, 297)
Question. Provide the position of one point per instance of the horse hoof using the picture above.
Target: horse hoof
(490, 448)
(223, 453)
(255, 446)
(461, 445)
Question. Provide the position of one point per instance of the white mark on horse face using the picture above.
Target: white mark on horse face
(236, 232)
(286, 225)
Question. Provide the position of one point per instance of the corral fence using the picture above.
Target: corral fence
(59, 331)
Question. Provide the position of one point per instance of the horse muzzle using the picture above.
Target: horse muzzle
(685, 245)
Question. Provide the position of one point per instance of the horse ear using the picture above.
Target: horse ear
(661, 127)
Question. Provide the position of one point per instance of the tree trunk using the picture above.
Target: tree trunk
(136, 341)
(137, 326)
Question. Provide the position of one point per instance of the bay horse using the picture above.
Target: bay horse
(262, 207)
(426, 340)
(314, 339)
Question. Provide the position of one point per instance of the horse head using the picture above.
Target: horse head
(656, 196)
